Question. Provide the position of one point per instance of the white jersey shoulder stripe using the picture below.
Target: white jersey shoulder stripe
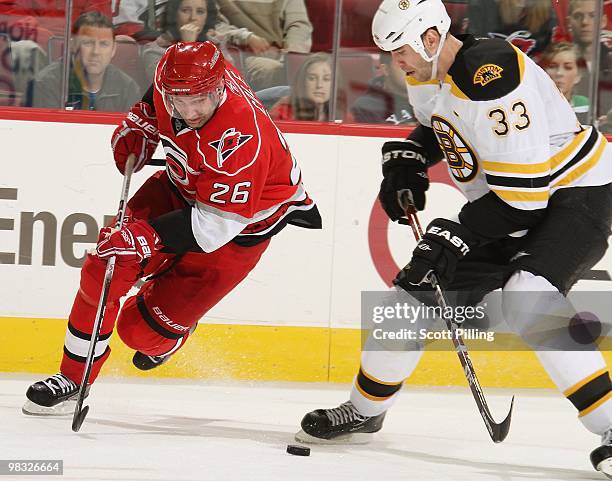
(213, 227)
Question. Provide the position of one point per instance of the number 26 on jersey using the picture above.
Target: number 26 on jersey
(239, 193)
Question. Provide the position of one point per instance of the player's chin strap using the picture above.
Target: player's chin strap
(434, 58)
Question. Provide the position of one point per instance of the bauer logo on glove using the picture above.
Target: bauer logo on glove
(134, 243)
(136, 135)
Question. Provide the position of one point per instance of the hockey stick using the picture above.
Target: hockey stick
(497, 431)
(79, 411)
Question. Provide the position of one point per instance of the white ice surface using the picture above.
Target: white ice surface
(161, 430)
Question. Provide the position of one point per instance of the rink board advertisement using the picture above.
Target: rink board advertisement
(296, 316)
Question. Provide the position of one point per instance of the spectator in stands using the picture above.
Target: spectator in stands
(386, 100)
(136, 19)
(267, 30)
(526, 24)
(560, 60)
(311, 92)
(95, 84)
(37, 20)
(581, 19)
(182, 21)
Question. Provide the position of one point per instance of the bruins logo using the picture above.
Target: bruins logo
(487, 73)
(403, 4)
(459, 155)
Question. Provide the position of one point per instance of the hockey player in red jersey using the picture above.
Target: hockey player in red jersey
(196, 229)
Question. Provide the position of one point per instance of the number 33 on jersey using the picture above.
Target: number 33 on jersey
(504, 127)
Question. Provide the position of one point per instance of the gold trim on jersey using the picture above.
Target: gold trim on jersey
(415, 83)
(560, 170)
(568, 392)
(541, 167)
(563, 155)
(522, 195)
(510, 168)
(455, 90)
(587, 164)
(521, 62)
(595, 405)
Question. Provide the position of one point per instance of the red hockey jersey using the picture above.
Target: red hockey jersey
(236, 171)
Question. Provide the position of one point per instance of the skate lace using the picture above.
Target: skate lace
(606, 438)
(343, 414)
(62, 383)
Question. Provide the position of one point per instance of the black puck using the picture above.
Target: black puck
(298, 450)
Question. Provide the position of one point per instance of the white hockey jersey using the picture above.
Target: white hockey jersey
(505, 127)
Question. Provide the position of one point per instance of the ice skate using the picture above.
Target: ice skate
(146, 363)
(341, 425)
(54, 396)
(601, 457)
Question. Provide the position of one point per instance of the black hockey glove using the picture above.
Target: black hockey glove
(404, 168)
(444, 244)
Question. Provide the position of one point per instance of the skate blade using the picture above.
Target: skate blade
(65, 408)
(606, 467)
(351, 438)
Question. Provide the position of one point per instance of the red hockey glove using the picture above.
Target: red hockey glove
(132, 244)
(136, 135)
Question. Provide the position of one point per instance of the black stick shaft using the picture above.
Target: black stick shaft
(497, 431)
(79, 411)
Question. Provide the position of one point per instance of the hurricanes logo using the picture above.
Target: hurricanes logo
(521, 39)
(404, 5)
(487, 73)
(459, 155)
(229, 142)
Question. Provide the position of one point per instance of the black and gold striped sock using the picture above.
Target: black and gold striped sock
(374, 389)
(590, 393)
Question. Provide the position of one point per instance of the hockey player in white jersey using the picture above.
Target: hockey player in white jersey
(538, 211)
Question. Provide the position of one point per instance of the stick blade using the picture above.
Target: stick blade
(79, 417)
(500, 431)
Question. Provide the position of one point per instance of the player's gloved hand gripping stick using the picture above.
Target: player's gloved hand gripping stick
(80, 412)
(497, 431)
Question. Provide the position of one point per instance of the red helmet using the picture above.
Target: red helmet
(191, 68)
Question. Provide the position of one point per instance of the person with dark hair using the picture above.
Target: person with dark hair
(95, 84)
(581, 19)
(37, 20)
(386, 100)
(526, 25)
(311, 90)
(182, 21)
